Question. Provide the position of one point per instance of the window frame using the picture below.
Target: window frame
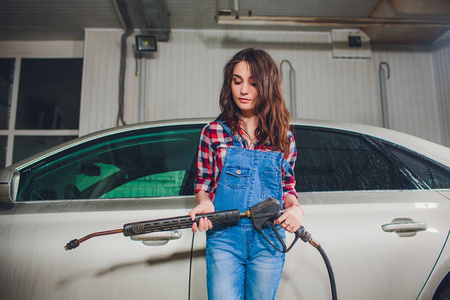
(375, 142)
(409, 174)
(383, 144)
(378, 144)
(102, 138)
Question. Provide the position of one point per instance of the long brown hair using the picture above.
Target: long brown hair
(273, 116)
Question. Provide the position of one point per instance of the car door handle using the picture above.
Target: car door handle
(404, 225)
(157, 238)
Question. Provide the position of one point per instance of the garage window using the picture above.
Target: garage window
(40, 104)
(6, 86)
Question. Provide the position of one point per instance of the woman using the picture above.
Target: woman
(246, 156)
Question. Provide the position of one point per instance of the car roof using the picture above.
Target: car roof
(432, 150)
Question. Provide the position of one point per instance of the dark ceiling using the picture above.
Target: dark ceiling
(419, 22)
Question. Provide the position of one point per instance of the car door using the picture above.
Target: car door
(381, 229)
(368, 262)
(111, 181)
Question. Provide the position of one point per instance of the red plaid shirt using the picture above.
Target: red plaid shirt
(214, 141)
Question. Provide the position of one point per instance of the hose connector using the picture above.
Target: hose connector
(72, 244)
(306, 237)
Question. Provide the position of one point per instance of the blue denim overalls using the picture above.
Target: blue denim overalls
(240, 262)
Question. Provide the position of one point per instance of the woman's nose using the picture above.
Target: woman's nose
(244, 88)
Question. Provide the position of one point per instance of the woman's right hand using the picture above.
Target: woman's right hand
(204, 206)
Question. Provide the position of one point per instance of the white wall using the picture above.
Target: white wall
(412, 101)
(99, 96)
(185, 75)
(441, 61)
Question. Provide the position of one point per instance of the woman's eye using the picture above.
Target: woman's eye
(237, 82)
(253, 84)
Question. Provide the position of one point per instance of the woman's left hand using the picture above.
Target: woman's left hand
(292, 216)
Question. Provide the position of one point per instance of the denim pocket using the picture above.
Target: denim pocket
(237, 177)
(271, 184)
(217, 232)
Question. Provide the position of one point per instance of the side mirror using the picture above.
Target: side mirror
(10, 187)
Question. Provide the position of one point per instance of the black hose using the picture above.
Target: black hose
(306, 237)
(330, 272)
(190, 266)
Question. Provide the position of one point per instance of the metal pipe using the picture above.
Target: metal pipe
(125, 19)
(384, 104)
(329, 21)
(142, 89)
(292, 90)
(293, 93)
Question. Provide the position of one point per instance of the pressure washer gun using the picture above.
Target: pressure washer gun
(262, 214)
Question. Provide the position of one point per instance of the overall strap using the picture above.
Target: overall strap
(284, 163)
(236, 142)
(287, 167)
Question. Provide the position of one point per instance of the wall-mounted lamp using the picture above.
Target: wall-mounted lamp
(146, 43)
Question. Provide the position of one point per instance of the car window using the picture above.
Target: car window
(146, 163)
(433, 174)
(332, 160)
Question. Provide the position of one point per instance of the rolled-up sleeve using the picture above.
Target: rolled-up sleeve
(288, 179)
(205, 163)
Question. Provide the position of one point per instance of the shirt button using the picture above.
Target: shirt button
(238, 172)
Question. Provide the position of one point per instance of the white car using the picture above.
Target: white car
(377, 200)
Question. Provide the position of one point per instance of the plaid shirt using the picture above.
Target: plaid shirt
(214, 141)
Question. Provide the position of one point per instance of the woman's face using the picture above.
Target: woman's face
(244, 89)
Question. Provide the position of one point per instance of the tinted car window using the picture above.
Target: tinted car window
(331, 160)
(434, 175)
(145, 163)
